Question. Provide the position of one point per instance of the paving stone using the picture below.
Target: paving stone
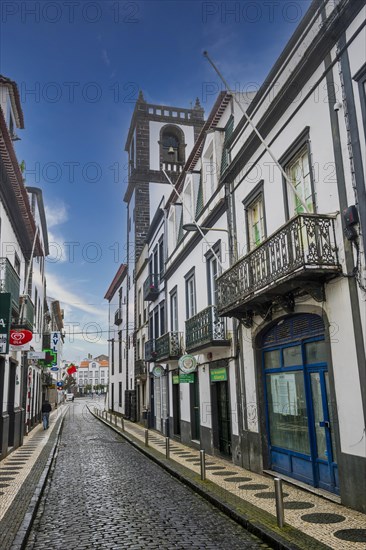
(105, 496)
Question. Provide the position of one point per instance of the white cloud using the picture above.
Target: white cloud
(56, 213)
(58, 289)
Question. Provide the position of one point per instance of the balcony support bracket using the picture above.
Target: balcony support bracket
(286, 301)
(315, 290)
(247, 319)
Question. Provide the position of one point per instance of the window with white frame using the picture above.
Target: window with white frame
(209, 171)
(213, 271)
(174, 310)
(298, 171)
(255, 216)
(190, 294)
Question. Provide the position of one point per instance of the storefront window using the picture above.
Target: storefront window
(288, 418)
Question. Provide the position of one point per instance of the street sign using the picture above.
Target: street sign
(36, 354)
(5, 318)
(60, 384)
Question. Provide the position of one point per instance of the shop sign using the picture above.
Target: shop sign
(187, 364)
(158, 371)
(218, 375)
(54, 369)
(5, 318)
(186, 378)
(175, 379)
(20, 337)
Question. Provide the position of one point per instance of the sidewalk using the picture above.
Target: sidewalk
(22, 477)
(311, 521)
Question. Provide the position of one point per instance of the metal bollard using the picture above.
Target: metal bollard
(167, 447)
(146, 438)
(280, 512)
(203, 464)
(122, 424)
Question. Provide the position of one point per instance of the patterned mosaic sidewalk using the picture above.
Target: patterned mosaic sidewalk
(330, 523)
(20, 473)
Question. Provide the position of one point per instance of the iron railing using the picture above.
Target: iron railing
(305, 243)
(151, 287)
(205, 328)
(168, 346)
(118, 316)
(10, 282)
(26, 314)
(150, 353)
(140, 368)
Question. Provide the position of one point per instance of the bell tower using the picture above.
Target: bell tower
(158, 136)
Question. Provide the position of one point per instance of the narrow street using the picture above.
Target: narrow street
(103, 493)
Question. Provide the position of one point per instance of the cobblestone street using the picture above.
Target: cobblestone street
(105, 494)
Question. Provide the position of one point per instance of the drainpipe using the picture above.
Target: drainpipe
(238, 354)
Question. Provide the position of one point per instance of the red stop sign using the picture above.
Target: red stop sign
(20, 337)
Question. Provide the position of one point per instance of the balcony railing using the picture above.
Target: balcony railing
(173, 166)
(118, 316)
(168, 346)
(140, 368)
(301, 252)
(150, 353)
(26, 313)
(151, 287)
(10, 282)
(205, 329)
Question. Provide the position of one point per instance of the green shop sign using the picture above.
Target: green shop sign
(175, 379)
(5, 320)
(184, 378)
(218, 375)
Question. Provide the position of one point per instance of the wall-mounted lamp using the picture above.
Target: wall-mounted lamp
(194, 227)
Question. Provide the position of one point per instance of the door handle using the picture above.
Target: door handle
(324, 424)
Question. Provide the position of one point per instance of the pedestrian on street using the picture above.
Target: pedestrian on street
(46, 409)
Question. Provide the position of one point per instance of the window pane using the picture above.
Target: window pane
(272, 359)
(316, 352)
(292, 356)
(288, 418)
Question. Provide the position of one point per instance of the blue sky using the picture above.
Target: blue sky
(79, 66)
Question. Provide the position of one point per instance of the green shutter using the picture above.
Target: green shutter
(225, 152)
(199, 204)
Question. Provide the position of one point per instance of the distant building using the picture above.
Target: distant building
(92, 374)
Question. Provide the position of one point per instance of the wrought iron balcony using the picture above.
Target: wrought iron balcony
(301, 255)
(118, 316)
(26, 313)
(140, 368)
(150, 353)
(151, 287)
(168, 346)
(10, 282)
(206, 329)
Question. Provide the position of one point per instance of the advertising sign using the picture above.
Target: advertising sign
(175, 379)
(158, 371)
(186, 378)
(36, 355)
(218, 375)
(5, 319)
(187, 364)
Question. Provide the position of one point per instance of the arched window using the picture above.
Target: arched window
(172, 146)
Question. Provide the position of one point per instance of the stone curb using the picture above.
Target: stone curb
(265, 534)
(21, 537)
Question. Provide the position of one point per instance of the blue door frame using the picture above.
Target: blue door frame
(318, 467)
